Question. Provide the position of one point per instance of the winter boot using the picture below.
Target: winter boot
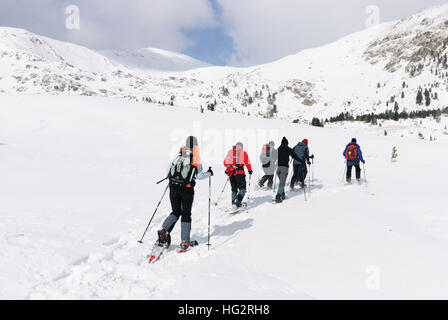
(185, 245)
(164, 238)
(283, 196)
(278, 198)
(238, 201)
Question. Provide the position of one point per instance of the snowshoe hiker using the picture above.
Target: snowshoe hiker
(268, 158)
(284, 154)
(353, 155)
(182, 174)
(234, 162)
(300, 167)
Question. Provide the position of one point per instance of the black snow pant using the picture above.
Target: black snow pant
(349, 171)
(269, 178)
(238, 184)
(181, 203)
(300, 173)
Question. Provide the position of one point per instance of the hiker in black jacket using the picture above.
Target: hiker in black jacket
(284, 154)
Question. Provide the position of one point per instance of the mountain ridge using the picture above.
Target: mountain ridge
(370, 71)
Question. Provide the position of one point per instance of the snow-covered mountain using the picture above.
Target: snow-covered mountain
(371, 71)
(32, 63)
(153, 59)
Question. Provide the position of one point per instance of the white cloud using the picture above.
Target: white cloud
(137, 23)
(113, 23)
(261, 30)
(266, 30)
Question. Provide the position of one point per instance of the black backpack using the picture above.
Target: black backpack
(181, 172)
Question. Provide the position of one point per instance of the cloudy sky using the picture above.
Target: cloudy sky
(221, 32)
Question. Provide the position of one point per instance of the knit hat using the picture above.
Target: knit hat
(305, 141)
(354, 140)
(285, 141)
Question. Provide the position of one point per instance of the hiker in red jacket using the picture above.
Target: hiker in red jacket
(234, 162)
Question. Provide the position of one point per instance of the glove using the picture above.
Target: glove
(309, 162)
(364, 161)
(250, 172)
(230, 171)
(211, 171)
(312, 156)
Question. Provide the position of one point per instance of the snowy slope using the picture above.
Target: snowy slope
(154, 59)
(78, 189)
(344, 76)
(32, 63)
(365, 72)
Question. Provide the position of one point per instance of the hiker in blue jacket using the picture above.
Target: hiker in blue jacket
(353, 155)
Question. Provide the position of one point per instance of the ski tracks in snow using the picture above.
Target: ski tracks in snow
(120, 269)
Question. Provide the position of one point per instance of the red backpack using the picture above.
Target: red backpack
(352, 152)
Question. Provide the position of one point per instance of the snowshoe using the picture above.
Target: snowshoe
(156, 252)
(234, 209)
(163, 242)
(185, 246)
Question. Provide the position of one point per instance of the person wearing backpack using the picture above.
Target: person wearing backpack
(268, 158)
(182, 174)
(300, 167)
(284, 154)
(234, 162)
(353, 155)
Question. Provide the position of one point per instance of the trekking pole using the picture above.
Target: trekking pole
(219, 198)
(364, 169)
(309, 179)
(158, 182)
(345, 171)
(209, 203)
(286, 182)
(144, 233)
(248, 190)
(312, 162)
